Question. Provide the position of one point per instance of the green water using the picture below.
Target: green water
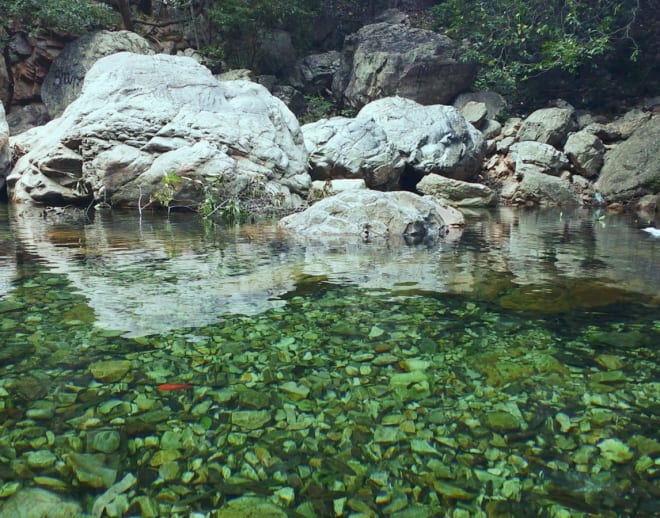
(510, 372)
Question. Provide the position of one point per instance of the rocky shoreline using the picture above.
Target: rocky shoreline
(114, 140)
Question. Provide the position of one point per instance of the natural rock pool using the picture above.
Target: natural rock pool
(153, 367)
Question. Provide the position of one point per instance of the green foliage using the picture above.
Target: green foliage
(239, 25)
(73, 16)
(222, 205)
(169, 184)
(319, 107)
(515, 41)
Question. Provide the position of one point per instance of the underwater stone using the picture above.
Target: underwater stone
(41, 410)
(615, 450)
(502, 421)
(163, 456)
(423, 447)
(41, 459)
(249, 507)
(104, 441)
(295, 391)
(110, 371)
(91, 469)
(36, 502)
(250, 419)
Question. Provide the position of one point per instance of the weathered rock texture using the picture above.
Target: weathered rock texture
(5, 96)
(495, 103)
(317, 71)
(64, 81)
(140, 117)
(23, 118)
(5, 152)
(537, 188)
(386, 59)
(632, 168)
(548, 126)
(585, 151)
(391, 136)
(542, 158)
(31, 502)
(457, 193)
(369, 214)
(30, 57)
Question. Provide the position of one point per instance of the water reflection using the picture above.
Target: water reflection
(150, 275)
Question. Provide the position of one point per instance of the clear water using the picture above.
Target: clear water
(512, 371)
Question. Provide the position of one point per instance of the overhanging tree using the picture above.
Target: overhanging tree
(518, 41)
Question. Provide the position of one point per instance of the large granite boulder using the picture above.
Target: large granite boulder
(456, 192)
(548, 125)
(385, 59)
(393, 142)
(352, 148)
(620, 128)
(64, 81)
(586, 152)
(368, 214)
(632, 168)
(5, 152)
(140, 118)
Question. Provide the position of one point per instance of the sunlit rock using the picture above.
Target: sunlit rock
(140, 118)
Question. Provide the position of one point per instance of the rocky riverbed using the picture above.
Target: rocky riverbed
(339, 401)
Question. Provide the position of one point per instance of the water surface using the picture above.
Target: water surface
(509, 371)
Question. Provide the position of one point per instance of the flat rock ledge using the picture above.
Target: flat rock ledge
(374, 214)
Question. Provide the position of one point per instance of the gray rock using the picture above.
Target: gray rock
(23, 118)
(5, 151)
(586, 152)
(391, 135)
(542, 189)
(291, 97)
(432, 139)
(543, 157)
(621, 128)
(352, 148)
(276, 53)
(317, 71)
(491, 129)
(632, 168)
(5, 96)
(64, 81)
(385, 59)
(369, 214)
(511, 127)
(475, 113)
(140, 117)
(495, 103)
(32, 502)
(456, 192)
(548, 126)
